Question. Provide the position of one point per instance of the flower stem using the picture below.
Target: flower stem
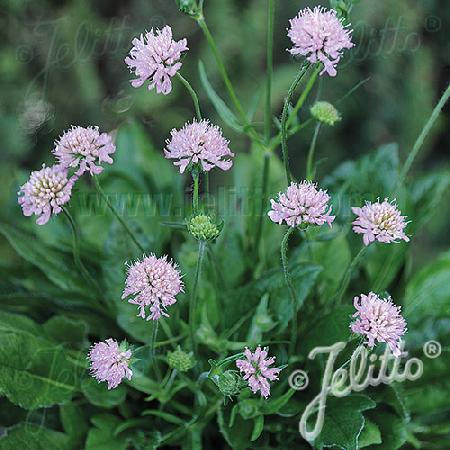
(303, 96)
(291, 289)
(310, 170)
(226, 79)
(269, 70)
(195, 177)
(421, 138)
(117, 215)
(348, 273)
(265, 186)
(193, 94)
(76, 251)
(153, 342)
(193, 303)
(284, 117)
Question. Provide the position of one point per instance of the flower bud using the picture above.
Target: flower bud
(203, 228)
(325, 112)
(228, 382)
(189, 7)
(180, 360)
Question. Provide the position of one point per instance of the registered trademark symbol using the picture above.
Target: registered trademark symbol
(432, 349)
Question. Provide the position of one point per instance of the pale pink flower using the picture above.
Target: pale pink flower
(85, 148)
(380, 222)
(256, 371)
(302, 203)
(319, 35)
(379, 320)
(110, 362)
(154, 283)
(156, 57)
(46, 191)
(199, 143)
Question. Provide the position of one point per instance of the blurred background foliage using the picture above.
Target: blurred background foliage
(62, 64)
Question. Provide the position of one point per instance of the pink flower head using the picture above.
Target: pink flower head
(302, 203)
(153, 282)
(380, 222)
(379, 320)
(199, 143)
(156, 57)
(84, 148)
(255, 369)
(319, 35)
(110, 362)
(45, 193)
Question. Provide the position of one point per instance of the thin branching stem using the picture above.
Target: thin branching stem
(347, 275)
(76, 251)
(193, 303)
(117, 215)
(421, 138)
(291, 289)
(284, 117)
(265, 188)
(195, 177)
(193, 94)
(269, 71)
(310, 169)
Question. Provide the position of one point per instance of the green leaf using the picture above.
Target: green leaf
(103, 437)
(55, 265)
(64, 330)
(370, 435)
(238, 435)
(329, 329)
(344, 421)
(428, 291)
(34, 372)
(74, 423)
(222, 109)
(258, 428)
(99, 395)
(392, 428)
(34, 437)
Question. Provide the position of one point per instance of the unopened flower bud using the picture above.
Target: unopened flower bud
(180, 360)
(189, 7)
(203, 228)
(325, 112)
(229, 382)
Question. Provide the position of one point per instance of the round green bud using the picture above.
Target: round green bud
(180, 360)
(203, 228)
(189, 7)
(229, 382)
(325, 112)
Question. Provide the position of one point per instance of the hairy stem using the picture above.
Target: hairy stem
(310, 170)
(195, 177)
(193, 302)
(291, 289)
(117, 215)
(269, 70)
(421, 138)
(193, 94)
(284, 117)
(348, 273)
